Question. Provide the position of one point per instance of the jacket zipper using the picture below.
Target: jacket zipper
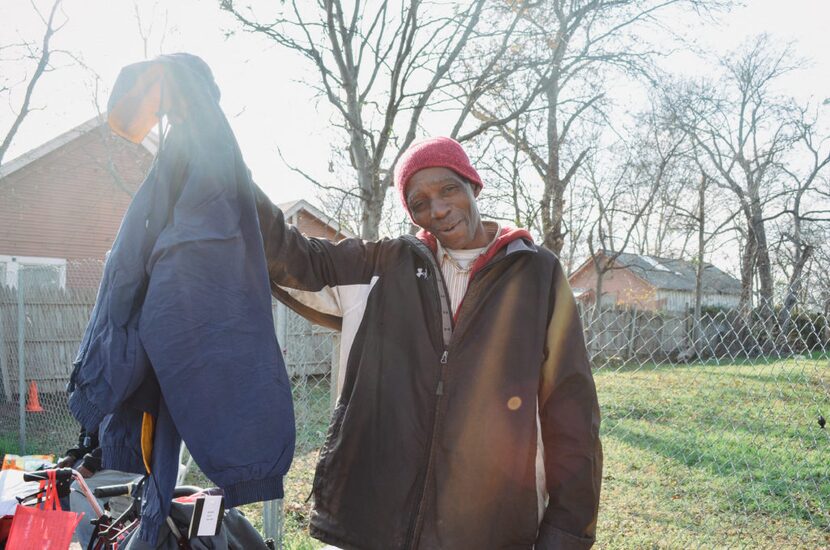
(440, 389)
(417, 526)
(414, 534)
(441, 289)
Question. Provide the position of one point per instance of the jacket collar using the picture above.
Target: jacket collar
(511, 238)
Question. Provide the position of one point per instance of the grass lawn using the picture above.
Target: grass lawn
(696, 456)
(709, 455)
(51, 431)
(727, 455)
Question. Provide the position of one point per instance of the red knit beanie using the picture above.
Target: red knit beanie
(433, 153)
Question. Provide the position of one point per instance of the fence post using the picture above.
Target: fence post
(632, 335)
(21, 361)
(272, 521)
(335, 369)
(282, 329)
(272, 512)
(4, 372)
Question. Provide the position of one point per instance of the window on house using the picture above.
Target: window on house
(32, 272)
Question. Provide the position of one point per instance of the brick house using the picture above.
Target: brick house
(655, 284)
(61, 205)
(63, 201)
(313, 222)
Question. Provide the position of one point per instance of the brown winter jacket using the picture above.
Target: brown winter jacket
(475, 432)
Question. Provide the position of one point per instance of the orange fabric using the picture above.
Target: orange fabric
(148, 429)
(137, 111)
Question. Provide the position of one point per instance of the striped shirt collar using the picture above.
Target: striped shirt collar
(493, 229)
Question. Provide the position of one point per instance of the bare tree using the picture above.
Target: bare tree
(573, 47)
(381, 65)
(708, 223)
(146, 25)
(699, 210)
(660, 232)
(658, 227)
(510, 197)
(743, 131)
(650, 154)
(808, 209)
(38, 54)
(577, 223)
(605, 242)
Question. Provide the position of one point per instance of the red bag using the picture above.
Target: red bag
(43, 528)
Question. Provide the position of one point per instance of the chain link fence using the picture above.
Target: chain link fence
(713, 425)
(43, 314)
(311, 359)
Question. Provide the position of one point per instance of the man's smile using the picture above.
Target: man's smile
(449, 228)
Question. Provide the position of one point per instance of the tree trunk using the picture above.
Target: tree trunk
(763, 268)
(555, 240)
(553, 198)
(371, 204)
(802, 255)
(762, 261)
(371, 212)
(791, 298)
(744, 319)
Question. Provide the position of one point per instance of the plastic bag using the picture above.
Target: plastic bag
(43, 527)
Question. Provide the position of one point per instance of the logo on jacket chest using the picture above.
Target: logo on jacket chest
(422, 273)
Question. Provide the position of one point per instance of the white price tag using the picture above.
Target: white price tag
(207, 516)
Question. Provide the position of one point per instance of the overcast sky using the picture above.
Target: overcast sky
(268, 107)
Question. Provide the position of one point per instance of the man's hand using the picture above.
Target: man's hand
(66, 462)
(84, 472)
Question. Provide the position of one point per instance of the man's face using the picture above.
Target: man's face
(445, 205)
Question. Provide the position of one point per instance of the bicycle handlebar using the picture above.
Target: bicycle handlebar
(61, 474)
(107, 491)
(185, 490)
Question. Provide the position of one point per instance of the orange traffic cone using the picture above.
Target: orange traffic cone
(33, 401)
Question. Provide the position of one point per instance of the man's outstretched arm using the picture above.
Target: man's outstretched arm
(300, 267)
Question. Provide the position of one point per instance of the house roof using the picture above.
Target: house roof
(150, 143)
(292, 207)
(676, 274)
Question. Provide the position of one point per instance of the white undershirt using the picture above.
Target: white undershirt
(456, 264)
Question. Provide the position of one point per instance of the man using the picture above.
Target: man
(467, 414)
(86, 457)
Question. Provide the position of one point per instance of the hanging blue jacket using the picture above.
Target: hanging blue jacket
(182, 327)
